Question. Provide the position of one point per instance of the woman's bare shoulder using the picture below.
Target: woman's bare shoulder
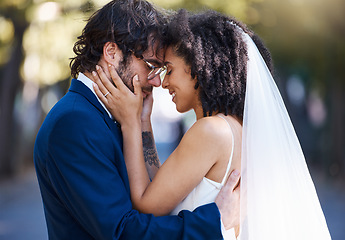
(209, 130)
(212, 126)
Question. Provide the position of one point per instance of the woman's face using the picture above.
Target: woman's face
(179, 82)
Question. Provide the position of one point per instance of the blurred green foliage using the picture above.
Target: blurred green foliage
(306, 39)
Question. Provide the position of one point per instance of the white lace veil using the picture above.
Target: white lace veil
(278, 197)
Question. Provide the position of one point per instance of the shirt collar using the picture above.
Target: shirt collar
(88, 82)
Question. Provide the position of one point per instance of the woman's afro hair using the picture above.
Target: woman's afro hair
(213, 46)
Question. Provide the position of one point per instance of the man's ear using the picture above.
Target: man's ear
(111, 53)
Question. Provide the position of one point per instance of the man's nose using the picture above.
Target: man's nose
(156, 81)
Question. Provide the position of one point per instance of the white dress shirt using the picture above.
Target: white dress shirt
(88, 82)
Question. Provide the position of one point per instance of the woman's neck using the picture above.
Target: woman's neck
(199, 113)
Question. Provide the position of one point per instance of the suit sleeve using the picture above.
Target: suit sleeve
(85, 174)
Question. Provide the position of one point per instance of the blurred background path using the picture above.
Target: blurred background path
(21, 209)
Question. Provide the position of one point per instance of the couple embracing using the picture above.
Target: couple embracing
(95, 156)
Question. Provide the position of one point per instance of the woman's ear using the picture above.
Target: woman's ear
(111, 53)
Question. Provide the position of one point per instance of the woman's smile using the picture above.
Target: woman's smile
(173, 94)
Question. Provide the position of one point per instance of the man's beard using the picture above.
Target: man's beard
(125, 73)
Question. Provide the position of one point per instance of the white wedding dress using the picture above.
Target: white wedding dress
(278, 197)
(206, 192)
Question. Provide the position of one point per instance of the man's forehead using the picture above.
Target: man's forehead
(154, 53)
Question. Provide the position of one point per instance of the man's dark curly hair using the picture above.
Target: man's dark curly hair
(131, 24)
(217, 55)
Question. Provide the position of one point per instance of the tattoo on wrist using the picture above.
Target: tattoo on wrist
(150, 152)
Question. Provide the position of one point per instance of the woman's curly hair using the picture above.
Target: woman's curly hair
(213, 46)
(131, 24)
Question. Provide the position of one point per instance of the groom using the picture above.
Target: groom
(78, 150)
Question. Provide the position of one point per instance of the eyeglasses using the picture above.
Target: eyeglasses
(161, 71)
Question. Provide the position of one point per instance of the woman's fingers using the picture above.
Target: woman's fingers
(99, 83)
(116, 78)
(137, 87)
(100, 95)
(106, 82)
(121, 102)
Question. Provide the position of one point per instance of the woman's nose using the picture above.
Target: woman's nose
(165, 82)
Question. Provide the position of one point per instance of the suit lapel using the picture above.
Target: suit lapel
(79, 87)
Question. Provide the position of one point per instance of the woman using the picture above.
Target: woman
(215, 68)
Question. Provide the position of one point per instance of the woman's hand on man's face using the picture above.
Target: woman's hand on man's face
(124, 105)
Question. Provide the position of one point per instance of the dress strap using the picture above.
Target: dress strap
(232, 150)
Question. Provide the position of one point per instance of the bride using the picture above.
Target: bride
(216, 66)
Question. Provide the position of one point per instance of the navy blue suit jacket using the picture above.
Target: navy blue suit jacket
(84, 183)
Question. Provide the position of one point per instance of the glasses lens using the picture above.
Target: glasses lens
(161, 71)
(152, 74)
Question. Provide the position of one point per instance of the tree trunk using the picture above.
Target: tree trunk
(338, 129)
(10, 84)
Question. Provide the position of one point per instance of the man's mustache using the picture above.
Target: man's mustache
(147, 89)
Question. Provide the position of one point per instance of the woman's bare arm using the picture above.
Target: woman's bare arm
(184, 169)
(149, 146)
(178, 176)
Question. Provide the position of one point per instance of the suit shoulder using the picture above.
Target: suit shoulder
(73, 106)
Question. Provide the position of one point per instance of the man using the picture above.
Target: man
(78, 151)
